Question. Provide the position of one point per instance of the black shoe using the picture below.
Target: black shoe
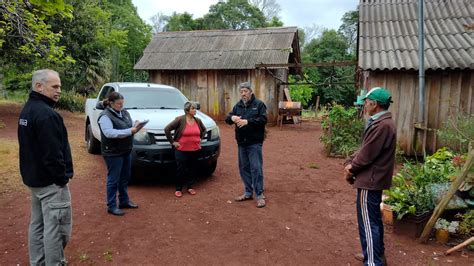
(116, 211)
(129, 205)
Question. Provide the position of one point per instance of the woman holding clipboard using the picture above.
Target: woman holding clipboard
(117, 130)
(188, 132)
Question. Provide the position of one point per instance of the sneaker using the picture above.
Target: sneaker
(192, 191)
(260, 203)
(243, 198)
(178, 194)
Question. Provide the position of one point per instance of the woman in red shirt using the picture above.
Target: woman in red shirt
(188, 132)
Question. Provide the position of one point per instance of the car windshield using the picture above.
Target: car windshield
(152, 98)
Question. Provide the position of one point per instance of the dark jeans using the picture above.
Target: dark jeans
(369, 218)
(186, 162)
(250, 167)
(119, 169)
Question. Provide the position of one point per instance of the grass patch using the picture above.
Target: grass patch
(108, 255)
(14, 97)
(10, 179)
(83, 257)
(2, 124)
(313, 166)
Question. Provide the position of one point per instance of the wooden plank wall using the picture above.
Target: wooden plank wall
(447, 93)
(218, 90)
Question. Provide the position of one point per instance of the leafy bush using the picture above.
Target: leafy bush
(71, 101)
(457, 132)
(412, 186)
(300, 93)
(466, 225)
(342, 130)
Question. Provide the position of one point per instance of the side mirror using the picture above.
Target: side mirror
(197, 104)
(100, 105)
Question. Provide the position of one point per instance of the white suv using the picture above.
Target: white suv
(160, 104)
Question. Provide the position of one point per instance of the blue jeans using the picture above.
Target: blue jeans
(119, 169)
(369, 218)
(250, 167)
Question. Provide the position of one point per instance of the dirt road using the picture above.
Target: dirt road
(309, 218)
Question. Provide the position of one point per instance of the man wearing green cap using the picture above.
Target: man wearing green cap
(370, 170)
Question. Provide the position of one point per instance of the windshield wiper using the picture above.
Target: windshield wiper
(161, 107)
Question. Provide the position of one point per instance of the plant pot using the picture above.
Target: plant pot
(387, 214)
(442, 236)
(411, 225)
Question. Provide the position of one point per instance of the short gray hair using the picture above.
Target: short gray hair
(42, 76)
(188, 105)
(245, 85)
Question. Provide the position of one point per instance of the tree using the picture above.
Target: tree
(125, 21)
(234, 14)
(181, 22)
(158, 22)
(350, 21)
(270, 8)
(24, 31)
(328, 82)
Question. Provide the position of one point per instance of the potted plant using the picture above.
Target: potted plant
(443, 228)
(411, 196)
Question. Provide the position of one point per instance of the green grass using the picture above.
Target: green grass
(14, 96)
(108, 255)
(10, 179)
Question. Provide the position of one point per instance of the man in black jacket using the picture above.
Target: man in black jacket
(250, 117)
(46, 167)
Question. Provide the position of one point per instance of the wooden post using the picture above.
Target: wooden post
(445, 200)
(317, 102)
(463, 244)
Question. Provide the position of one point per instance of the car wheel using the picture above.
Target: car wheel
(93, 145)
(209, 170)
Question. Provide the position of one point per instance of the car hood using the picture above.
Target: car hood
(160, 118)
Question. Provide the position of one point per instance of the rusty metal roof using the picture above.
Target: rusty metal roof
(220, 49)
(388, 34)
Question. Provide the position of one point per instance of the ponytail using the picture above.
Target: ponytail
(112, 97)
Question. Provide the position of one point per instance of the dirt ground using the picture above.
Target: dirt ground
(309, 218)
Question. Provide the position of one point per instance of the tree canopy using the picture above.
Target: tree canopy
(87, 41)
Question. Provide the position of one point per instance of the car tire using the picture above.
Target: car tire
(93, 145)
(209, 169)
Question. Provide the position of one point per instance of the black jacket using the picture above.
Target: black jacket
(255, 112)
(45, 155)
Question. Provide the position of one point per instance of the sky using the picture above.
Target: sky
(300, 13)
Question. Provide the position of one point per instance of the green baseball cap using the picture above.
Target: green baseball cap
(379, 94)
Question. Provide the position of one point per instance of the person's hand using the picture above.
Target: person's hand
(347, 169)
(235, 118)
(349, 179)
(242, 122)
(176, 144)
(348, 176)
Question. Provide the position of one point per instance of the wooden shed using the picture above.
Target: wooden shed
(208, 66)
(388, 57)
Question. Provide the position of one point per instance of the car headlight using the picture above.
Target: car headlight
(214, 133)
(142, 138)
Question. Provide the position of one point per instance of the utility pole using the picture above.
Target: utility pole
(421, 73)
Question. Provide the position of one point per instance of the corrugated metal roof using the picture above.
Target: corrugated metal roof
(388, 34)
(218, 49)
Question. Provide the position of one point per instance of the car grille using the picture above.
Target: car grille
(160, 137)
